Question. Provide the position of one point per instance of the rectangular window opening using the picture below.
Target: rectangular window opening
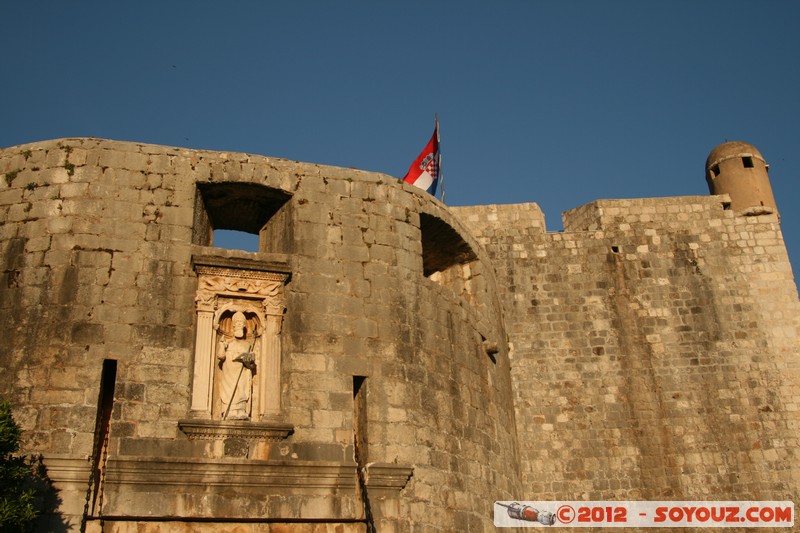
(360, 418)
(242, 216)
(360, 446)
(105, 406)
(747, 162)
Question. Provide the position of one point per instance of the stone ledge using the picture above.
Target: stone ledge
(227, 473)
(241, 429)
(387, 477)
(67, 468)
(235, 259)
(249, 474)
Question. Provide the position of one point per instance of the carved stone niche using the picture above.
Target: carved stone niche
(236, 387)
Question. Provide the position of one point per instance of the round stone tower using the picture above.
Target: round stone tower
(373, 380)
(739, 170)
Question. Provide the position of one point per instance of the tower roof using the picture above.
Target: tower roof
(728, 150)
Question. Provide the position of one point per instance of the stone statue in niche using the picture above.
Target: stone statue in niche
(258, 295)
(236, 356)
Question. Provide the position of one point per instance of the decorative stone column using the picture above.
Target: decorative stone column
(205, 303)
(270, 393)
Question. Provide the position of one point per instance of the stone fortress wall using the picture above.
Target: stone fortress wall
(453, 355)
(102, 246)
(654, 350)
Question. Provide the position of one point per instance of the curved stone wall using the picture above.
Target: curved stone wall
(103, 243)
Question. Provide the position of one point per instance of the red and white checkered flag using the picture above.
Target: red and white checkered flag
(424, 171)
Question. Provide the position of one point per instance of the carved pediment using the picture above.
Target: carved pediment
(215, 281)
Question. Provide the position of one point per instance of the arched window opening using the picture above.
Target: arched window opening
(447, 258)
(442, 246)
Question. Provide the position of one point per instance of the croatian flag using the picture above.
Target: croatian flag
(424, 171)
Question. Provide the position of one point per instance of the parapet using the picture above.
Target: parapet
(611, 214)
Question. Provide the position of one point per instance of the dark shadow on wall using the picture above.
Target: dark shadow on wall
(28, 500)
(49, 502)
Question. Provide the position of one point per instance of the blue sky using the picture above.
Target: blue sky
(556, 102)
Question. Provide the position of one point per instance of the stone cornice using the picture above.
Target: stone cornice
(224, 429)
(383, 478)
(387, 477)
(67, 469)
(277, 264)
(250, 474)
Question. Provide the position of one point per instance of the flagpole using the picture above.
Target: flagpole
(441, 176)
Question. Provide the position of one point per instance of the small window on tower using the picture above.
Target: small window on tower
(747, 162)
(715, 171)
